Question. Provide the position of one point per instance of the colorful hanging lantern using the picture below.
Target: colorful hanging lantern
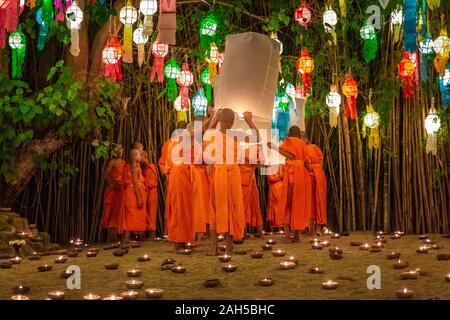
(74, 17)
(59, 10)
(406, 72)
(444, 87)
(282, 101)
(44, 17)
(208, 31)
(426, 45)
(172, 71)
(369, 36)
(213, 61)
(159, 51)
(333, 101)
(303, 15)
(432, 125)
(343, 8)
(178, 105)
(17, 42)
(441, 45)
(372, 121)
(396, 23)
(200, 103)
(140, 40)
(111, 56)
(329, 22)
(409, 25)
(148, 8)
(274, 36)
(128, 15)
(184, 80)
(290, 90)
(305, 65)
(9, 19)
(206, 80)
(350, 91)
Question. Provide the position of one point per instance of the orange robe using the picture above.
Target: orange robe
(318, 184)
(112, 198)
(151, 183)
(275, 214)
(184, 202)
(206, 187)
(250, 195)
(296, 181)
(226, 187)
(163, 159)
(133, 217)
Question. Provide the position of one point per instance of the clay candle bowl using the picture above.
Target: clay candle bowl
(91, 254)
(377, 245)
(113, 297)
(335, 256)
(44, 267)
(56, 295)
(420, 272)
(229, 267)
(61, 259)
(335, 236)
(293, 259)
(325, 243)
(315, 270)
(400, 233)
(316, 246)
(178, 269)
(271, 242)
(221, 238)
(447, 277)
(34, 256)
(267, 247)
(355, 243)
(364, 246)
(265, 282)
(16, 260)
(380, 233)
(21, 289)
(443, 257)
(135, 244)
(134, 284)
(375, 249)
(256, 255)
(72, 254)
(279, 253)
(435, 247)
(144, 258)
(134, 273)
(154, 293)
(129, 295)
(222, 247)
(225, 258)
(399, 264)
(111, 266)
(335, 249)
(91, 296)
(422, 249)
(211, 283)
(168, 261)
(19, 297)
(410, 275)
(396, 236)
(330, 285)
(311, 241)
(393, 255)
(423, 237)
(23, 235)
(287, 265)
(428, 241)
(64, 274)
(404, 293)
(118, 253)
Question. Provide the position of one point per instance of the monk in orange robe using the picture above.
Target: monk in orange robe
(184, 201)
(133, 214)
(274, 214)
(112, 198)
(151, 183)
(295, 195)
(225, 177)
(162, 160)
(250, 195)
(318, 186)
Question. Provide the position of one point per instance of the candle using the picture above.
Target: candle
(317, 246)
(129, 295)
(423, 237)
(422, 249)
(113, 297)
(399, 264)
(400, 233)
(256, 255)
(34, 256)
(410, 275)
(45, 267)
(293, 259)
(315, 240)
(325, 243)
(404, 293)
(420, 272)
(267, 247)
(435, 247)
(336, 236)
(222, 247)
(315, 270)
(278, 253)
(144, 258)
(178, 269)
(23, 235)
(428, 241)
(330, 285)
(447, 277)
(21, 289)
(271, 242)
(229, 267)
(335, 255)
(19, 297)
(134, 284)
(118, 253)
(221, 238)
(393, 255)
(380, 233)
(91, 296)
(224, 258)
(168, 261)
(377, 245)
(265, 282)
(134, 273)
(72, 254)
(56, 295)
(64, 274)
(91, 254)
(396, 236)
(15, 260)
(157, 239)
(61, 259)
(111, 266)
(365, 247)
(287, 265)
(154, 293)
(335, 249)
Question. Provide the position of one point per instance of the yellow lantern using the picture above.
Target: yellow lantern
(372, 121)
(128, 15)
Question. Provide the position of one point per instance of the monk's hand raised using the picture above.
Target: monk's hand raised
(269, 144)
(247, 116)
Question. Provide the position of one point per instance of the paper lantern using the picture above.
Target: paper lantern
(59, 10)
(172, 71)
(17, 42)
(200, 103)
(350, 91)
(305, 65)
(74, 17)
(329, 22)
(184, 80)
(208, 32)
(9, 18)
(426, 45)
(178, 105)
(409, 25)
(444, 87)
(432, 125)
(303, 15)
(372, 121)
(333, 101)
(111, 55)
(159, 52)
(148, 8)
(128, 15)
(441, 45)
(406, 72)
(369, 36)
(290, 90)
(213, 61)
(274, 36)
(206, 80)
(43, 20)
(140, 40)
(397, 17)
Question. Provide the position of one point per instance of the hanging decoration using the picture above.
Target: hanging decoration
(441, 46)
(111, 56)
(426, 49)
(444, 86)
(369, 36)
(178, 104)
(396, 23)
(281, 115)
(333, 101)
(148, 8)
(159, 51)
(213, 60)
(74, 17)
(184, 80)
(350, 91)
(140, 40)
(406, 72)
(17, 42)
(432, 125)
(343, 8)
(372, 121)
(303, 15)
(59, 10)
(409, 25)
(330, 21)
(9, 19)
(167, 22)
(433, 4)
(44, 17)
(206, 80)
(200, 103)
(305, 65)
(172, 71)
(128, 16)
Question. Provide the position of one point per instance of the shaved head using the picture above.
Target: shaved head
(181, 125)
(295, 131)
(226, 118)
(138, 146)
(135, 155)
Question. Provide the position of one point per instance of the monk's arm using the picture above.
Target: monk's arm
(108, 177)
(284, 153)
(137, 190)
(251, 125)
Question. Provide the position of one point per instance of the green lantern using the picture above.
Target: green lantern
(369, 36)
(210, 31)
(17, 42)
(172, 71)
(206, 80)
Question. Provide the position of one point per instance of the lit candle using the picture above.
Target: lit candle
(134, 284)
(61, 259)
(315, 240)
(293, 259)
(15, 260)
(224, 258)
(330, 285)
(410, 275)
(393, 255)
(34, 256)
(422, 249)
(365, 246)
(404, 293)
(256, 255)
(315, 270)
(447, 277)
(396, 236)
(335, 249)
(91, 296)
(45, 267)
(399, 264)
(317, 246)
(267, 247)
(271, 242)
(229, 267)
(154, 293)
(91, 254)
(335, 255)
(134, 273)
(179, 269)
(56, 295)
(428, 241)
(286, 265)
(278, 253)
(265, 282)
(20, 297)
(144, 258)
(113, 297)
(336, 236)
(325, 243)
(21, 289)
(129, 295)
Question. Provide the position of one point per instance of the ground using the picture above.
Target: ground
(290, 284)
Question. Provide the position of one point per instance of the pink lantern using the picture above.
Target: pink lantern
(159, 51)
(184, 80)
(303, 15)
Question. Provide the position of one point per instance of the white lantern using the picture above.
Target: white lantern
(372, 119)
(15, 40)
(185, 78)
(432, 125)
(214, 54)
(148, 8)
(330, 18)
(426, 47)
(128, 15)
(445, 78)
(441, 44)
(274, 36)
(74, 17)
(160, 49)
(397, 17)
(110, 55)
(333, 101)
(200, 102)
(140, 40)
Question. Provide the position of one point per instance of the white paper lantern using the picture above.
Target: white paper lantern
(330, 18)
(110, 55)
(178, 106)
(74, 17)
(140, 40)
(333, 99)
(446, 77)
(372, 119)
(128, 14)
(441, 44)
(16, 41)
(200, 102)
(148, 8)
(432, 122)
(426, 46)
(397, 17)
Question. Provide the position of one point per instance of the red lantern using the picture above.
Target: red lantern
(406, 69)
(305, 65)
(350, 91)
(9, 18)
(111, 56)
(159, 51)
(184, 80)
(303, 15)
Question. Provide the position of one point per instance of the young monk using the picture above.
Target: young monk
(112, 198)
(274, 214)
(134, 213)
(225, 178)
(318, 186)
(250, 195)
(151, 184)
(162, 160)
(295, 195)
